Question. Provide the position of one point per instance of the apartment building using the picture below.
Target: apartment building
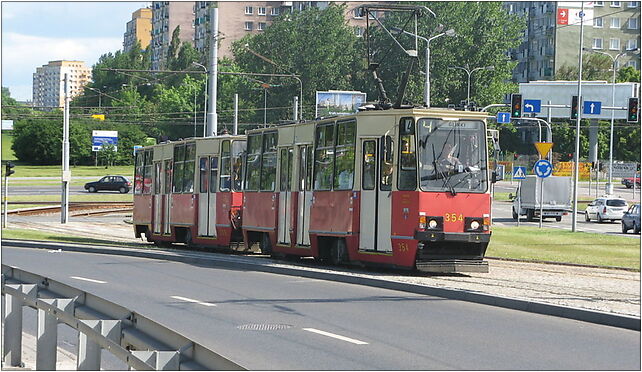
(49, 86)
(138, 29)
(166, 16)
(551, 39)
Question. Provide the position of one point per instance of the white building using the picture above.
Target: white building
(49, 85)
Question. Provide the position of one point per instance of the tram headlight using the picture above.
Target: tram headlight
(474, 225)
(433, 224)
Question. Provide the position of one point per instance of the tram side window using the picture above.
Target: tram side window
(369, 165)
(286, 169)
(168, 177)
(268, 162)
(324, 157)
(225, 166)
(202, 175)
(386, 151)
(179, 158)
(213, 173)
(407, 178)
(238, 149)
(188, 168)
(138, 176)
(253, 163)
(344, 155)
(147, 178)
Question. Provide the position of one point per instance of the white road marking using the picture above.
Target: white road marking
(88, 280)
(192, 300)
(338, 337)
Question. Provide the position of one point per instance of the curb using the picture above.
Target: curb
(590, 316)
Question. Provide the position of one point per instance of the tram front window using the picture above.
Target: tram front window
(452, 156)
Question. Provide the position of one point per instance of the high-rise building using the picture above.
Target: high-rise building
(138, 29)
(166, 16)
(551, 39)
(49, 85)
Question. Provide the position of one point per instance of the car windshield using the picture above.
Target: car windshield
(452, 155)
(616, 203)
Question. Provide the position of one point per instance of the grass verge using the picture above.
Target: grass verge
(531, 243)
(27, 234)
(76, 171)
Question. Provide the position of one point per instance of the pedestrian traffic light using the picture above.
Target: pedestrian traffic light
(574, 107)
(516, 105)
(8, 169)
(634, 109)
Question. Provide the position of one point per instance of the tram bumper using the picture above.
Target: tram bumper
(446, 252)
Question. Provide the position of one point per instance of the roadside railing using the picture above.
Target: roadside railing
(102, 325)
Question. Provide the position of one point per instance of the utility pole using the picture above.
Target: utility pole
(212, 122)
(66, 173)
(236, 114)
(576, 166)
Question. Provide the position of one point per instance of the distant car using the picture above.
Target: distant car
(110, 183)
(631, 219)
(606, 208)
(628, 181)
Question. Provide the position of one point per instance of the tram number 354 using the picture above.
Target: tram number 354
(453, 217)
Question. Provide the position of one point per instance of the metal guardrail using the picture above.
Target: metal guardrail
(102, 325)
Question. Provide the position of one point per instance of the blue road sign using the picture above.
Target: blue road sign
(532, 105)
(543, 168)
(519, 173)
(592, 107)
(503, 117)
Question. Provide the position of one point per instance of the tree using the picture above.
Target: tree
(628, 74)
(594, 67)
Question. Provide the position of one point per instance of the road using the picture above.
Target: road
(268, 321)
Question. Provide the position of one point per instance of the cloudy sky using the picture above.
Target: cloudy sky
(34, 33)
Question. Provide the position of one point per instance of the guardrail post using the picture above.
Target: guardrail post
(13, 323)
(47, 340)
(88, 350)
(159, 360)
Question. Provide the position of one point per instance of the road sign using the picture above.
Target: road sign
(543, 168)
(592, 107)
(532, 105)
(503, 117)
(624, 169)
(136, 147)
(543, 148)
(519, 173)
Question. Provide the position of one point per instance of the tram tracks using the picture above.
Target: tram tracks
(77, 208)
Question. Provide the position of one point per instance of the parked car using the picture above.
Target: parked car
(110, 183)
(628, 181)
(631, 219)
(606, 208)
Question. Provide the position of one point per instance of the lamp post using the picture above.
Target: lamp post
(100, 94)
(204, 101)
(470, 72)
(609, 184)
(449, 32)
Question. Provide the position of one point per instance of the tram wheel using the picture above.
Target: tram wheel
(339, 252)
(265, 244)
(188, 237)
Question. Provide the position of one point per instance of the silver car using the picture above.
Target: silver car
(606, 209)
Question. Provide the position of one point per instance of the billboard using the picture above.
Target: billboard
(336, 102)
(100, 138)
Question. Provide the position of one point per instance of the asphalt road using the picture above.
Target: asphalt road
(268, 321)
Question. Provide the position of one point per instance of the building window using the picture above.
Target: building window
(615, 44)
(262, 26)
(597, 22)
(633, 64)
(261, 11)
(598, 3)
(275, 11)
(249, 26)
(357, 13)
(249, 10)
(632, 4)
(616, 4)
(633, 23)
(359, 31)
(632, 44)
(615, 22)
(597, 43)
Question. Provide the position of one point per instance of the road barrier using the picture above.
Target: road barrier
(102, 325)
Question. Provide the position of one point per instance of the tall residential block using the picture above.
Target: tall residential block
(551, 39)
(138, 29)
(166, 17)
(49, 85)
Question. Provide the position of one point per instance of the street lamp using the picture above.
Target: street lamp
(609, 184)
(470, 72)
(100, 93)
(204, 101)
(449, 32)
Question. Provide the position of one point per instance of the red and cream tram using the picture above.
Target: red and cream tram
(190, 191)
(407, 188)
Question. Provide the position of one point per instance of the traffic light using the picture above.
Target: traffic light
(634, 109)
(574, 107)
(8, 169)
(516, 105)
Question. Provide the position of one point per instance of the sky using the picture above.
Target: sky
(34, 33)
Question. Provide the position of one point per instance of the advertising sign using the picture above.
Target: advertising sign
(100, 138)
(565, 169)
(336, 102)
(624, 169)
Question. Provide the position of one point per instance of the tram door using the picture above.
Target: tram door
(166, 189)
(158, 198)
(305, 195)
(208, 174)
(285, 198)
(376, 194)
